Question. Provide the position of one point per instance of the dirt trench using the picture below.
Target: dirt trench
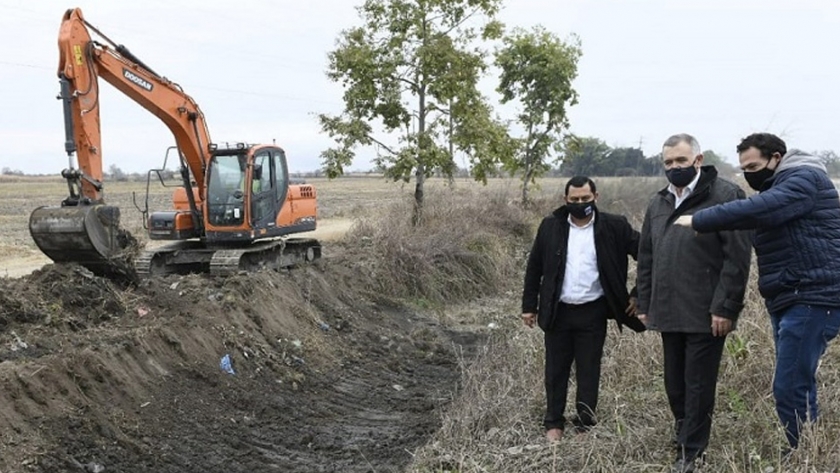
(327, 375)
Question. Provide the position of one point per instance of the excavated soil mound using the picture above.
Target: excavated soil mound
(321, 376)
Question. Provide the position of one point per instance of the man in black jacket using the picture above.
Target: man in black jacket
(691, 289)
(575, 280)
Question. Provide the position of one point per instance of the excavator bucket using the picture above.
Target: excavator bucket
(88, 235)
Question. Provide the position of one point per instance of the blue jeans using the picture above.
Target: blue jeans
(801, 334)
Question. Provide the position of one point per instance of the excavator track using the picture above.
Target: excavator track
(276, 254)
(192, 257)
(182, 257)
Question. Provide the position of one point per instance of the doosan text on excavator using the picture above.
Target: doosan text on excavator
(235, 206)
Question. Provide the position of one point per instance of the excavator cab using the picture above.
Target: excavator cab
(226, 190)
(247, 190)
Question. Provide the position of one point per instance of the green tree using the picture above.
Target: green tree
(652, 166)
(624, 162)
(537, 71)
(583, 156)
(719, 162)
(412, 70)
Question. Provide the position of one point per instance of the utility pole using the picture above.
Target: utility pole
(451, 144)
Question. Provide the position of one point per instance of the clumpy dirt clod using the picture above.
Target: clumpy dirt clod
(59, 293)
(95, 377)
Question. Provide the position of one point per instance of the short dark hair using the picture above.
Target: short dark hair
(766, 143)
(580, 181)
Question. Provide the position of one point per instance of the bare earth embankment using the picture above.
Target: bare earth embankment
(344, 365)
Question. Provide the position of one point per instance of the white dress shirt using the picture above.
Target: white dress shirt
(687, 190)
(580, 281)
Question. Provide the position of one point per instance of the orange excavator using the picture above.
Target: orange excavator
(233, 210)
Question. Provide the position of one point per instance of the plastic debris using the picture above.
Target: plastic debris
(18, 344)
(324, 326)
(226, 365)
(94, 468)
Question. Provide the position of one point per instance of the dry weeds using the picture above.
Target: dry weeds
(468, 246)
(494, 424)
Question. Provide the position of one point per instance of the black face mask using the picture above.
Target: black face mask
(581, 210)
(756, 178)
(681, 177)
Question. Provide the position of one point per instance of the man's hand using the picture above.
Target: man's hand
(683, 220)
(720, 326)
(631, 307)
(643, 318)
(529, 319)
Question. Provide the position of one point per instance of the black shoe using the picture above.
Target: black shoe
(683, 465)
(675, 434)
(581, 427)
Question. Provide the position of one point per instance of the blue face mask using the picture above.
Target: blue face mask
(681, 177)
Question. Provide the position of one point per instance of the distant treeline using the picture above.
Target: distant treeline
(587, 156)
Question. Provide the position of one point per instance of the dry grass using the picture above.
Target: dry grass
(473, 245)
(494, 423)
(467, 246)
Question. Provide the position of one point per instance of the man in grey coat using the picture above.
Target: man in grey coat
(691, 290)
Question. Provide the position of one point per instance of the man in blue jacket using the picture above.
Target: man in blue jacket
(796, 217)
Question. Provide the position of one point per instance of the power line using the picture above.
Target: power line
(207, 87)
(20, 64)
(264, 94)
(284, 62)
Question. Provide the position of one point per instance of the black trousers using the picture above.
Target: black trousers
(692, 361)
(577, 336)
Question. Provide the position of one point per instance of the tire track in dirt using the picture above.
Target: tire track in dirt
(349, 423)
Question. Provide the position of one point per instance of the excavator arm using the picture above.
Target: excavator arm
(84, 229)
(81, 62)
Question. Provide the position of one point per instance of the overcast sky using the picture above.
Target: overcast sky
(719, 69)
